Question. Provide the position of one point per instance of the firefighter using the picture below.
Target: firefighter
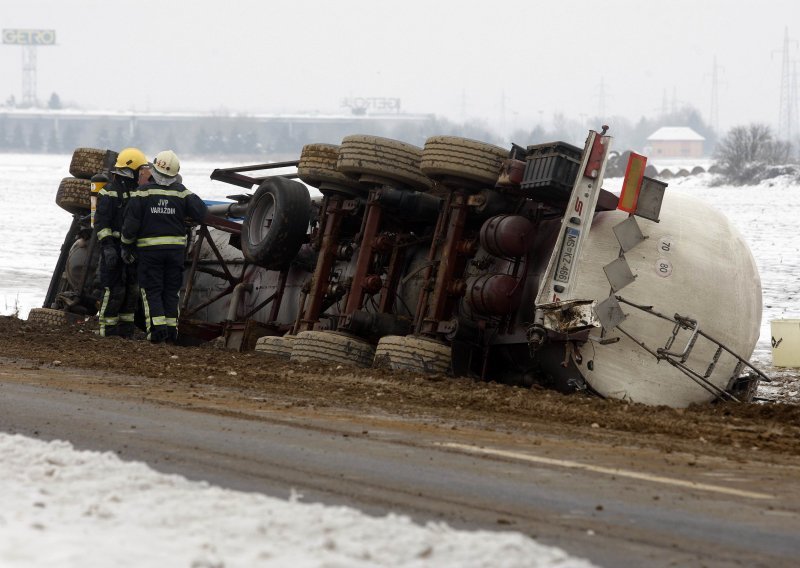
(118, 280)
(154, 235)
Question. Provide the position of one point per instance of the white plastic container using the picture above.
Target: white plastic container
(786, 342)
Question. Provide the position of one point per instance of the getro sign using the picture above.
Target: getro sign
(29, 37)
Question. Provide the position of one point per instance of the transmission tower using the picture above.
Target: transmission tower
(787, 113)
(29, 40)
(794, 134)
(28, 75)
(713, 115)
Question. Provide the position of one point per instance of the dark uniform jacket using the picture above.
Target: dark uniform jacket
(111, 201)
(155, 214)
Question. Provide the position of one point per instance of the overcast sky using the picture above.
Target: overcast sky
(509, 63)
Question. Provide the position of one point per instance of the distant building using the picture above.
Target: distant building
(676, 142)
(278, 136)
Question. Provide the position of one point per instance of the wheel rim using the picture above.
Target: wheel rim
(262, 221)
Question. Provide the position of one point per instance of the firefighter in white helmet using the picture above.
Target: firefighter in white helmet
(154, 234)
(119, 281)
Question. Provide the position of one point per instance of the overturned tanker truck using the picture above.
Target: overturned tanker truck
(461, 257)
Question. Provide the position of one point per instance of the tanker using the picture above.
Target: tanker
(499, 264)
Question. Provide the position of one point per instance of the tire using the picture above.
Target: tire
(275, 345)
(332, 347)
(318, 166)
(50, 317)
(87, 162)
(382, 157)
(276, 223)
(78, 261)
(412, 353)
(462, 158)
(73, 195)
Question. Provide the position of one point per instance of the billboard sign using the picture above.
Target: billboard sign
(29, 37)
(384, 104)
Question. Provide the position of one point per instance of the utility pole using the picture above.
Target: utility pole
(601, 99)
(674, 100)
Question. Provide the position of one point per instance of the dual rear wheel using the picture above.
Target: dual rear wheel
(396, 352)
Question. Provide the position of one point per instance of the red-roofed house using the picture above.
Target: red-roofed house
(675, 142)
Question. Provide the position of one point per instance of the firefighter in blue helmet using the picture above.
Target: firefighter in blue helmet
(154, 235)
(119, 281)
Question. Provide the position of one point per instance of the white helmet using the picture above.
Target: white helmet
(165, 167)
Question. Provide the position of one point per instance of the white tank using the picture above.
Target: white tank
(693, 263)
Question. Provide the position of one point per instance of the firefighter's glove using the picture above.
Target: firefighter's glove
(110, 257)
(128, 254)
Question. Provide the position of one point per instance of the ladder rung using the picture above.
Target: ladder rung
(713, 362)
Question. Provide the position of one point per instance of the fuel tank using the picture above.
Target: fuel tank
(693, 263)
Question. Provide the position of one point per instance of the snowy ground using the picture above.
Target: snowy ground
(68, 508)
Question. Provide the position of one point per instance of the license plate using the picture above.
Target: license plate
(567, 257)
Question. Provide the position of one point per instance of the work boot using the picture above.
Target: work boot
(125, 330)
(109, 331)
(172, 335)
(158, 334)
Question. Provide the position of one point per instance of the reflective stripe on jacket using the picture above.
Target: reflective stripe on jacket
(108, 217)
(155, 215)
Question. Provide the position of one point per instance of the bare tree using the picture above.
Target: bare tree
(746, 153)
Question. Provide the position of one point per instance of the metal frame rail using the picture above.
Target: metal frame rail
(234, 176)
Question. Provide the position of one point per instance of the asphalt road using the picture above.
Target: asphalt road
(614, 506)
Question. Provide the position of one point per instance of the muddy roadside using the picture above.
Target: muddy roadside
(223, 381)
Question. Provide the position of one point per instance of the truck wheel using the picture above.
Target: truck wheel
(412, 353)
(462, 158)
(318, 166)
(87, 162)
(382, 157)
(79, 261)
(276, 223)
(332, 347)
(73, 195)
(51, 317)
(275, 345)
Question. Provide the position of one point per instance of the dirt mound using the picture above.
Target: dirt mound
(731, 430)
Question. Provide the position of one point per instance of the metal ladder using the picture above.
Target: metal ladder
(678, 359)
